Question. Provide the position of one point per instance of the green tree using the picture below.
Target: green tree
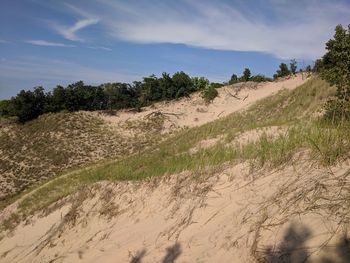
(167, 86)
(6, 108)
(293, 66)
(234, 79)
(182, 84)
(58, 99)
(336, 70)
(28, 105)
(282, 71)
(246, 74)
(150, 90)
(318, 66)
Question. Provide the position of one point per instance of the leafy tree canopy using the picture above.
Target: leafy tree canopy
(335, 68)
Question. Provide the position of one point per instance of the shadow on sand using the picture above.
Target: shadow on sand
(292, 249)
(172, 253)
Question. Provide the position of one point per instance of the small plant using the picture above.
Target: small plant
(210, 93)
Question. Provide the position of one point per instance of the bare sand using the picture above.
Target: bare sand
(232, 216)
(193, 111)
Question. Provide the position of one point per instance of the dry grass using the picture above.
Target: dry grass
(43, 148)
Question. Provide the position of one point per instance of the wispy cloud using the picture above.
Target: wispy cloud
(100, 48)
(70, 32)
(3, 41)
(47, 43)
(282, 28)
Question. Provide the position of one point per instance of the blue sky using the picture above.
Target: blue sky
(51, 42)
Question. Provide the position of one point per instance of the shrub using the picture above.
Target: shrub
(210, 93)
(233, 80)
(5, 108)
(260, 78)
(336, 109)
(200, 83)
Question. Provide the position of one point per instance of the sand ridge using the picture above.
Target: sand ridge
(193, 111)
(232, 216)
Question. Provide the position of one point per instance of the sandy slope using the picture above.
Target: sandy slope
(232, 216)
(190, 112)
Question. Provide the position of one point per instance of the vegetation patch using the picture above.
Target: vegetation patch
(41, 149)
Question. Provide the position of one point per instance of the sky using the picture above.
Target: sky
(52, 42)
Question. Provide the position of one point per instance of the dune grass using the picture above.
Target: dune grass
(298, 110)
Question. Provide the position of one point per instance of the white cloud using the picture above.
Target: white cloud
(3, 41)
(47, 43)
(100, 48)
(70, 32)
(285, 29)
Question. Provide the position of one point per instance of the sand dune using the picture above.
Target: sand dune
(192, 111)
(233, 216)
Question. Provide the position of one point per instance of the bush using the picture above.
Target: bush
(200, 83)
(336, 109)
(5, 108)
(210, 93)
(233, 80)
(260, 78)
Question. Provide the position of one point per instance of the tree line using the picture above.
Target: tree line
(334, 67)
(247, 76)
(27, 105)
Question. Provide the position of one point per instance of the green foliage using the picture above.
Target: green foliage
(210, 93)
(282, 71)
(246, 75)
(234, 79)
(293, 66)
(200, 83)
(336, 70)
(28, 105)
(182, 85)
(260, 78)
(318, 67)
(6, 108)
(336, 109)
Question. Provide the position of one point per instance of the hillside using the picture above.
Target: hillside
(256, 176)
(38, 150)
